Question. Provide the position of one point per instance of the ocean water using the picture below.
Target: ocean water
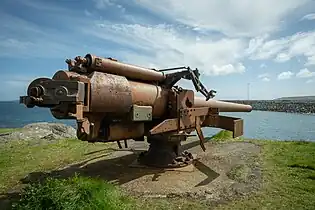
(258, 124)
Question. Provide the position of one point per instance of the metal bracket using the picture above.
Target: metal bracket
(141, 113)
(207, 119)
(189, 74)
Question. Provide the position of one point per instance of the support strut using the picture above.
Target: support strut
(165, 152)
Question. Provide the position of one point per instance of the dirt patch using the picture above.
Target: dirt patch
(224, 171)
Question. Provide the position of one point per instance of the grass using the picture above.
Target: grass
(288, 178)
(7, 130)
(224, 136)
(18, 158)
(74, 193)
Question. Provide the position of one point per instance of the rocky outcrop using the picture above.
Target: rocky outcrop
(42, 130)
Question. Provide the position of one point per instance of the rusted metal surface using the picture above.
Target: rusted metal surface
(113, 101)
(106, 65)
(110, 93)
(222, 106)
(150, 95)
(236, 125)
(65, 75)
(119, 131)
(164, 153)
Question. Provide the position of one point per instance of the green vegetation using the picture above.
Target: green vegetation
(18, 158)
(74, 193)
(7, 130)
(288, 178)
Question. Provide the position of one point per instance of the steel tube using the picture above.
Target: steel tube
(116, 94)
(149, 95)
(95, 63)
(221, 105)
(110, 93)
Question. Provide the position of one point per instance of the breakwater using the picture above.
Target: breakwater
(290, 106)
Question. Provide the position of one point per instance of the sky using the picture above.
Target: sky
(261, 49)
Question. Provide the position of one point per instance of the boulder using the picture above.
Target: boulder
(42, 130)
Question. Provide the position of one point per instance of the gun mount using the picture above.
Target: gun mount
(114, 101)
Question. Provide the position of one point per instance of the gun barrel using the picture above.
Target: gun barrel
(222, 105)
(107, 65)
(111, 94)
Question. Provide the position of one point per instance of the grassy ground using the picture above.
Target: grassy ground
(18, 158)
(288, 177)
(6, 130)
(288, 173)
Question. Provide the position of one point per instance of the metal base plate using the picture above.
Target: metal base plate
(188, 168)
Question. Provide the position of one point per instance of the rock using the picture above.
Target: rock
(42, 130)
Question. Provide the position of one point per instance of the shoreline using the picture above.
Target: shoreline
(286, 106)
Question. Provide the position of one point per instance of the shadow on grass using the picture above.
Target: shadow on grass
(6, 200)
(116, 170)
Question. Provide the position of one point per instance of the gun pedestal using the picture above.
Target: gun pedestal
(165, 152)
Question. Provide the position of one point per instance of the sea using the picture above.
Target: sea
(257, 124)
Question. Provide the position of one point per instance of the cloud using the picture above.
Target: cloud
(102, 4)
(163, 46)
(310, 16)
(20, 38)
(305, 73)
(217, 37)
(263, 65)
(282, 57)
(232, 18)
(285, 48)
(15, 85)
(158, 45)
(264, 77)
(285, 75)
(152, 45)
(309, 81)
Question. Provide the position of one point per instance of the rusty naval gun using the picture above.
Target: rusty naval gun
(115, 101)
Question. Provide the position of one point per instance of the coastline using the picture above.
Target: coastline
(287, 106)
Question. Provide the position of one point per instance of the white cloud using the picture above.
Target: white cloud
(285, 75)
(309, 81)
(15, 85)
(310, 16)
(264, 77)
(165, 46)
(283, 49)
(263, 65)
(305, 73)
(233, 18)
(101, 4)
(282, 57)
(87, 13)
(157, 46)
